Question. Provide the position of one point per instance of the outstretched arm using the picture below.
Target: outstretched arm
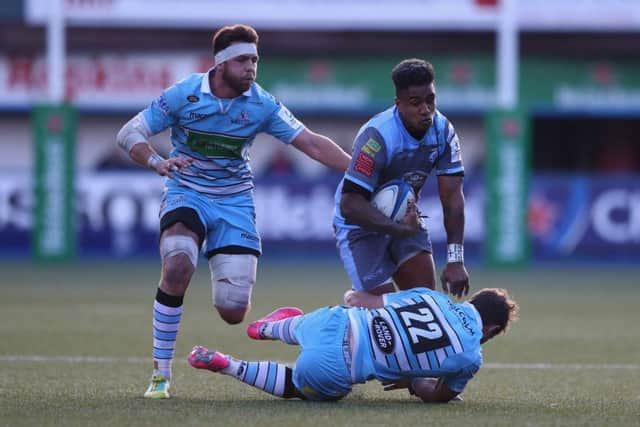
(322, 149)
(454, 278)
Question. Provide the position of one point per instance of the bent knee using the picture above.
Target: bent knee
(232, 316)
(232, 278)
(177, 269)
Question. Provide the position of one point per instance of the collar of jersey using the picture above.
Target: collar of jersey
(425, 138)
(206, 88)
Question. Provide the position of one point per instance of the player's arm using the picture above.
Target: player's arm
(356, 208)
(368, 162)
(363, 299)
(450, 170)
(134, 136)
(454, 278)
(322, 149)
(431, 390)
(367, 299)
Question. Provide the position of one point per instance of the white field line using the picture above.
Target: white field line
(31, 358)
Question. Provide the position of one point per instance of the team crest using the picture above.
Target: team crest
(193, 98)
(416, 179)
(242, 119)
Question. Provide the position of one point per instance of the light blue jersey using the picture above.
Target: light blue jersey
(418, 333)
(383, 150)
(217, 133)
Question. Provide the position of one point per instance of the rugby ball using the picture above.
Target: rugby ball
(392, 199)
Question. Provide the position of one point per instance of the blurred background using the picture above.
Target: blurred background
(545, 95)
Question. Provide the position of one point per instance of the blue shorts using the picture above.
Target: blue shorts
(370, 259)
(228, 220)
(321, 371)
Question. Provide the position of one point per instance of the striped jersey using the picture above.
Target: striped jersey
(418, 333)
(384, 150)
(217, 133)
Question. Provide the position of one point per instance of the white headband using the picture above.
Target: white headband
(234, 50)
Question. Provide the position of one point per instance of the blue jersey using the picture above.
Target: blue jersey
(217, 133)
(418, 333)
(384, 150)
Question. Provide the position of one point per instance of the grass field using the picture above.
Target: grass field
(75, 351)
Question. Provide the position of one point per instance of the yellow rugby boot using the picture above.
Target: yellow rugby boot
(159, 388)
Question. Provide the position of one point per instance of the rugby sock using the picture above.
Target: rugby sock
(272, 377)
(167, 312)
(282, 330)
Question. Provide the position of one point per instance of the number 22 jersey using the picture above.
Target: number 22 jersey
(418, 333)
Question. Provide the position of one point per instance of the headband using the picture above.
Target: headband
(234, 50)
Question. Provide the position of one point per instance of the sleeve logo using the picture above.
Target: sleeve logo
(371, 147)
(161, 101)
(365, 164)
(288, 118)
(454, 145)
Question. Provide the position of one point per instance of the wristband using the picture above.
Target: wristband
(455, 252)
(154, 161)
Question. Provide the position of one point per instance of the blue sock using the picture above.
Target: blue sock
(272, 377)
(167, 313)
(282, 330)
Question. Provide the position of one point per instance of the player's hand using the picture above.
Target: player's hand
(410, 224)
(166, 167)
(362, 299)
(455, 279)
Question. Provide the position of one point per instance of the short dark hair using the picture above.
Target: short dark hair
(233, 33)
(496, 307)
(412, 72)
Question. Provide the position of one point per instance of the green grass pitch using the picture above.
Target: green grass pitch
(75, 351)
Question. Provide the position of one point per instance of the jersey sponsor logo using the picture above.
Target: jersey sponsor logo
(193, 98)
(365, 164)
(288, 118)
(383, 335)
(197, 116)
(464, 319)
(424, 330)
(215, 145)
(371, 147)
(242, 119)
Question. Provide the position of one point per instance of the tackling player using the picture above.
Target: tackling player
(208, 200)
(400, 339)
(407, 141)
